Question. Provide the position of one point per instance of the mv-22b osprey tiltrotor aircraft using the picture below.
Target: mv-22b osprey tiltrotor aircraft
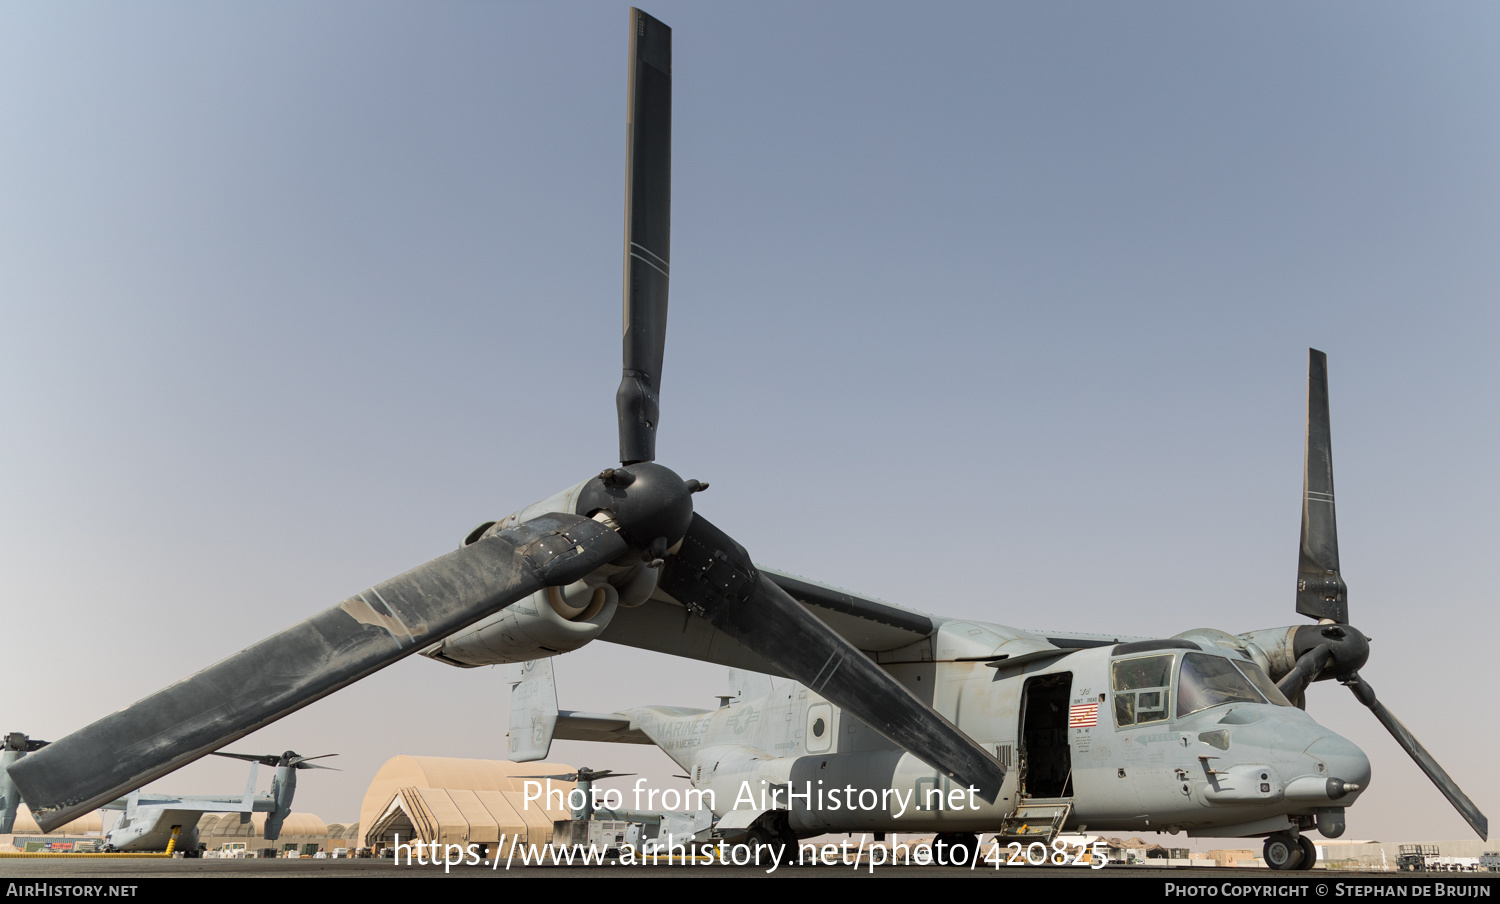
(1195, 731)
(169, 822)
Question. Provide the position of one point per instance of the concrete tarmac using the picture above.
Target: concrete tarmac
(63, 871)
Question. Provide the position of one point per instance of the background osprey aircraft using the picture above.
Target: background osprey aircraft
(1091, 465)
(155, 822)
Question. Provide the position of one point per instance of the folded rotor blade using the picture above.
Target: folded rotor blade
(268, 759)
(1320, 588)
(648, 234)
(306, 762)
(287, 671)
(713, 576)
(1417, 752)
(1304, 672)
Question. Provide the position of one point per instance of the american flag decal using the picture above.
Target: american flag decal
(1083, 715)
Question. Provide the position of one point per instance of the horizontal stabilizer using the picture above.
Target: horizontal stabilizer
(610, 727)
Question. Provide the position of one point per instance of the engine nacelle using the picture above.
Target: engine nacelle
(554, 620)
(550, 621)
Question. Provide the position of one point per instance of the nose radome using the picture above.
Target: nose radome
(1344, 760)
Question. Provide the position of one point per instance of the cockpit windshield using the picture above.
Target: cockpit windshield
(1263, 683)
(1143, 686)
(1205, 681)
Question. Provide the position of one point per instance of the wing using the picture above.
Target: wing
(870, 625)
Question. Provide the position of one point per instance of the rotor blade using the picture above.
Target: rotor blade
(713, 576)
(269, 759)
(581, 776)
(305, 759)
(287, 671)
(1417, 752)
(1304, 672)
(1320, 588)
(648, 234)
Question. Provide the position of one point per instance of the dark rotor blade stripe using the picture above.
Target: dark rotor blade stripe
(658, 260)
(836, 660)
(649, 264)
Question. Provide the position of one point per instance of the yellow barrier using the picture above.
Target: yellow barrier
(142, 856)
(75, 856)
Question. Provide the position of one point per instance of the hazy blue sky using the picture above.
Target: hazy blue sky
(995, 310)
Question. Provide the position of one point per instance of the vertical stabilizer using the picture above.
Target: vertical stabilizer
(533, 711)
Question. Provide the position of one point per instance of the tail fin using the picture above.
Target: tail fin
(283, 788)
(533, 711)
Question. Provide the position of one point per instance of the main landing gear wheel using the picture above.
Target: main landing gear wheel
(1283, 851)
(789, 840)
(1309, 852)
(758, 838)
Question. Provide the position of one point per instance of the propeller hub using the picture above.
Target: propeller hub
(647, 501)
(1348, 648)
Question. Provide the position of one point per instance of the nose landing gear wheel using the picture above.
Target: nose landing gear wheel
(1283, 851)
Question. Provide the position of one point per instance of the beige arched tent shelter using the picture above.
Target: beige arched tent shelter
(91, 823)
(459, 801)
(299, 829)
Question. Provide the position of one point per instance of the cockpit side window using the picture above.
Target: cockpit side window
(1206, 681)
(1141, 688)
